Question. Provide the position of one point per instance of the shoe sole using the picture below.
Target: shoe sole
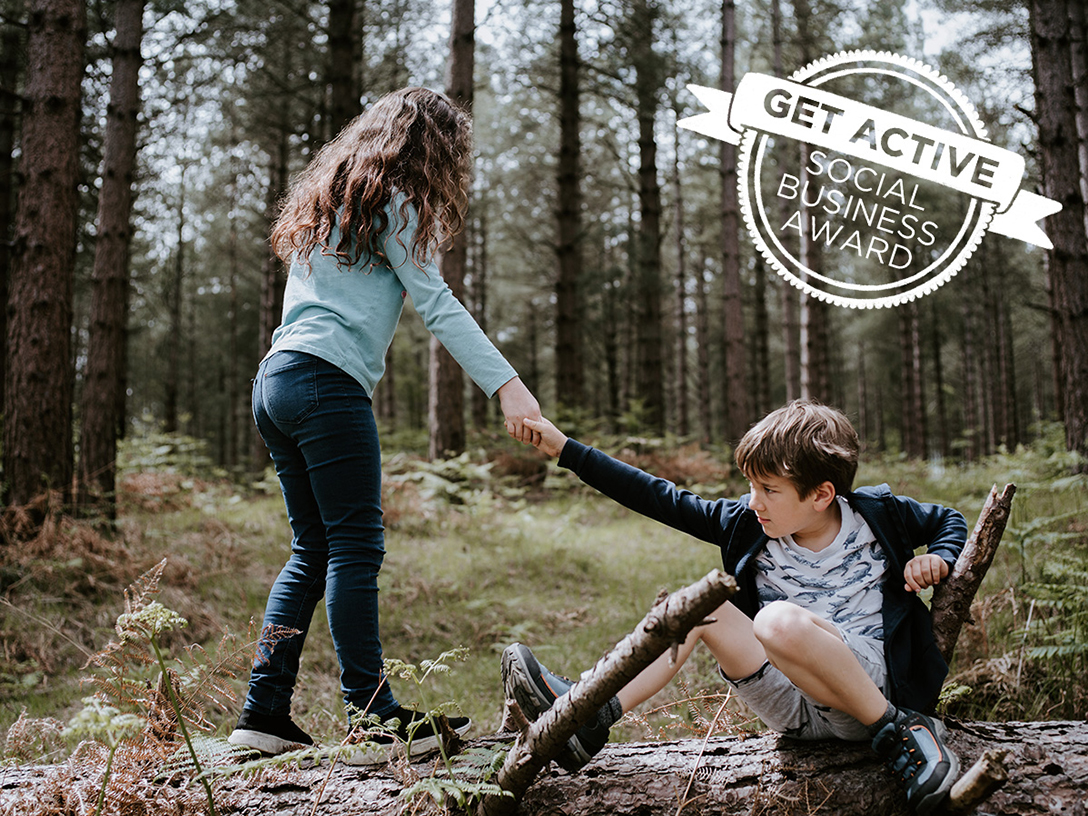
(518, 684)
(378, 753)
(265, 743)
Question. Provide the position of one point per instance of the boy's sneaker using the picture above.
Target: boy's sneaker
(413, 727)
(914, 750)
(535, 689)
(269, 734)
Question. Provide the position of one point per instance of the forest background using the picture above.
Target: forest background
(144, 145)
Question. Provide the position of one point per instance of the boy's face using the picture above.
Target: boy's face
(782, 511)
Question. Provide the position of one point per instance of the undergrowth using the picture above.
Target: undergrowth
(144, 743)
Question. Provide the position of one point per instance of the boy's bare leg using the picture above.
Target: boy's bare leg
(809, 651)
(730, 639)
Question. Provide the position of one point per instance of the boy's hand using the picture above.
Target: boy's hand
(924, 571)
(546, 436)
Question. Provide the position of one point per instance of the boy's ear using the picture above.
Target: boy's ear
(823, 495)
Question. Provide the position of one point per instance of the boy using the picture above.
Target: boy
(823, 639)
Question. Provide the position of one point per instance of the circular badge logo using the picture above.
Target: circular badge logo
(866, 179)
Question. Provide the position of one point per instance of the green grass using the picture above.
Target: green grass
(477, 561)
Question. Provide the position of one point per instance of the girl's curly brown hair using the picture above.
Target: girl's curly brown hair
(414, 141)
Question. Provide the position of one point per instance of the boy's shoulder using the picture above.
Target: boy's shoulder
(880, 491)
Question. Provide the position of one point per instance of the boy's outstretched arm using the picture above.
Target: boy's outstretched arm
(551, 439)
(924, 571)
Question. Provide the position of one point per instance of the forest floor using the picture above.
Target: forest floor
(494, 547)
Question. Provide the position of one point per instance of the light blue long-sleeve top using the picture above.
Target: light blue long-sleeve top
(347, 314)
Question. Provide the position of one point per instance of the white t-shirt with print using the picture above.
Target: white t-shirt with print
(841, 583)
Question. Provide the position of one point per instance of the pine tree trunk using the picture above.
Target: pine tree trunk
(345, 59)
(104, 376)
(702, 343)
(270, 308)
(172, 382)
(735, 379)
(569, 365)
(789, 298)
(1078, 18)
(1055, 107)
(446, 404)
(11, 70)
(683, 417)
(650, 378)
(863, 397)
(37, 449)
(913, 402)
(938, 383)
(813, 319)
(480, 283)
(968, 370)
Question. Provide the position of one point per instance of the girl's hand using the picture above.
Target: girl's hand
(547, 437)
(924, 571)
(518, 404)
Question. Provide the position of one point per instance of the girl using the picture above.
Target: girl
(360, 227)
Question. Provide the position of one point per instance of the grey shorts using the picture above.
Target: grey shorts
(786, 709)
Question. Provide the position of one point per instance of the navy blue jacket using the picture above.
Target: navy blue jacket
(915, 666)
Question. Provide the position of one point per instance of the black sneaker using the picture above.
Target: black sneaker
(535, 690)
(913, 749)
(268, 733)
(413, 731)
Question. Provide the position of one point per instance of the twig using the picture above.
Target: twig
(699, 756)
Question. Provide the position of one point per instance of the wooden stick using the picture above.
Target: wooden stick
(983, 778)
(668, 622)
(952, 597)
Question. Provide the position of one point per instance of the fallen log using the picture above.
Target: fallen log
(1047, 764)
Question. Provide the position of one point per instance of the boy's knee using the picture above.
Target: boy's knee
(780, 624)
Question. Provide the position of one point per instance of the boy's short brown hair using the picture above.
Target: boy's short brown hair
(805, 442)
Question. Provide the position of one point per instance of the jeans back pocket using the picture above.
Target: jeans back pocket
(289, 386)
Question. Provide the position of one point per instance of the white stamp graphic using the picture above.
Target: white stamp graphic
(880, 162)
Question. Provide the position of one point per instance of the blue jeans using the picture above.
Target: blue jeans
(318, 425)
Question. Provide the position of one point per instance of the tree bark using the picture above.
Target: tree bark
(569, 366)
(913, 402)
(11, 41)
(642, 20)
(102, 403)
(446, 405)
(480, 407)
(37, 449)
(734, 380)
(1055, 109)
(814, 317)
(702, 352)
(683, 416)
(174, 296)
(345, 59)
(765, 774)
(1078, 18)
(789, 297)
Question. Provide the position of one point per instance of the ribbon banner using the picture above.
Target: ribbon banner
(821, 118)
